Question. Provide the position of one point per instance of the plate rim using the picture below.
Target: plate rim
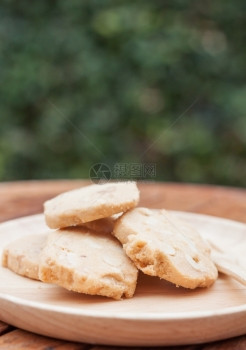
(179, 316)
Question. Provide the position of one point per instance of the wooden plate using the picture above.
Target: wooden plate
(158, 314)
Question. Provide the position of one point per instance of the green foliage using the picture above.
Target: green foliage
(122, 81)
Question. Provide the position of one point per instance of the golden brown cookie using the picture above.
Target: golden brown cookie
(161, 245)
(90, 203)
(104, 225)
(22, 255)
(84, 261)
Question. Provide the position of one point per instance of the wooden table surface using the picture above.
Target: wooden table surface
(26, 198)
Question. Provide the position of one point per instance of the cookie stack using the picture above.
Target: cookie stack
(100, 240)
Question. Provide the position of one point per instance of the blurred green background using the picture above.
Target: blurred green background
(158, 82)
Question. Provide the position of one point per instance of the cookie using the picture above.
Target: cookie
(161, 245)
(104, 225)
(84, 261)
(22, 255)
(90, 203)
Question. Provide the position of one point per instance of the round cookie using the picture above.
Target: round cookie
(161, 245)
(90, 203)
(22, 255)
(104, 225)
(85, 261)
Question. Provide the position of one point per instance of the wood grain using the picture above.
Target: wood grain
(21, 340)
(238, 343)
(4, 327)
(25, 198)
